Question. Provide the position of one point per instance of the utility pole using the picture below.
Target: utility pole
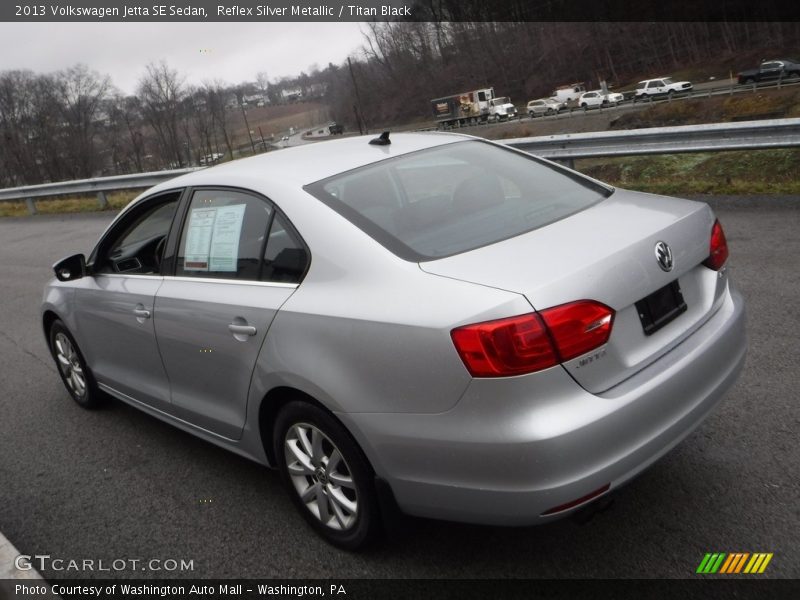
(247, 125)
(360, 112)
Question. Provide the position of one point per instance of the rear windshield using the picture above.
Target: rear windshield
(455, 198)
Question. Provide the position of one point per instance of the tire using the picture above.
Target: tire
(307, 440)
(75, 375)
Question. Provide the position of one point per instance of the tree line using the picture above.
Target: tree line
(74, 124)
(403, 65)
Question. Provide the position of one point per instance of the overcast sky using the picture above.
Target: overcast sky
(233, 52)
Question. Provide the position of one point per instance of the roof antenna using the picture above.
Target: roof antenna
(383, 140)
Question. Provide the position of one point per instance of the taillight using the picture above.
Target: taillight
(533, 342)
(718, 248)
(505, 347)
(578, 327)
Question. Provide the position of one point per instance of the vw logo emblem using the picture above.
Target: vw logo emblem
(664, 256)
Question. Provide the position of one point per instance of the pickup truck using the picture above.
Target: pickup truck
(771, 69)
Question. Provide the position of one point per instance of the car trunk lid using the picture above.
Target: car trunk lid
(607, 253)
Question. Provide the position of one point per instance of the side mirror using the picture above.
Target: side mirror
(70, 268)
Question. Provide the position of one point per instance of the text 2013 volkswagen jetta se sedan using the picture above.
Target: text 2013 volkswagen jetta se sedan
(470, 331)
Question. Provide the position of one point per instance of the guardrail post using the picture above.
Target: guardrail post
(31, 205)
(102, 200)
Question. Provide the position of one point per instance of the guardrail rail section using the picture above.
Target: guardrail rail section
(713, 137)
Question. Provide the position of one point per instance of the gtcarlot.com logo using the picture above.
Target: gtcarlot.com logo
(42, 562)
(732, 563)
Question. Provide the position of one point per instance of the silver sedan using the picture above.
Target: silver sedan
(424, 321)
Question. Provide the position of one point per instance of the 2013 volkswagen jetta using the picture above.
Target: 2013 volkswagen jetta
(468, 331)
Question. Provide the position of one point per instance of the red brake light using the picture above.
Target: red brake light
(718, 248)
(505, 347)
(533, 342)
(578, 327)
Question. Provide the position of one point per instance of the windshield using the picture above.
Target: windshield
(502, 100)
(455, 198)
(667, 81)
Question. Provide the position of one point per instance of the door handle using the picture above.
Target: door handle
(241, 329)
(141, 313)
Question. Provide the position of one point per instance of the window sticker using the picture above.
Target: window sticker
(212, 242)
(225, 238)
(198, 239)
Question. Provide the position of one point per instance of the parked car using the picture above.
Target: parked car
(432, 322)
(596, 99)
(210, 159)
(661, 87)
(544, 106)
(768, 70)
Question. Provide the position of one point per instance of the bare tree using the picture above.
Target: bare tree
(80, 94)
(161, 91)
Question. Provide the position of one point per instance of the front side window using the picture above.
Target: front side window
(455, 198)
(136, 244)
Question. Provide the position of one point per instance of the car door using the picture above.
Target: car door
(771, 70)
(237, 262)
(114, 304)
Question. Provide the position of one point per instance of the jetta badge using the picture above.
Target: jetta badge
(664, 256)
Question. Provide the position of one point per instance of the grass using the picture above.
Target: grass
(761, 172)
(69, 204)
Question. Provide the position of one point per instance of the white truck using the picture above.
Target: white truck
(501, 109)
(462, 109)
(569, 93)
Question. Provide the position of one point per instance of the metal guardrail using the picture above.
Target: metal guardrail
(747, 135)
(98, 185)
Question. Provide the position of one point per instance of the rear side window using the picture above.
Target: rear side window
(455, 198)
(224, 235)
(286, 258)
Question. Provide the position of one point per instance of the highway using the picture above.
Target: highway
(116, 483)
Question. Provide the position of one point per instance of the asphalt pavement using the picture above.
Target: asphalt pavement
(115, 484)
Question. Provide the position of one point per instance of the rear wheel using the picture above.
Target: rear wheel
(327, 476)
(72, 367)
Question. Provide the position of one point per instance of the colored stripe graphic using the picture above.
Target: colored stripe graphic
(711, 563)
(724, 563)
(735, 562)
(758, 563)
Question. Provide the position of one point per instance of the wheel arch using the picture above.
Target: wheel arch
(271, 405)
(48, 318)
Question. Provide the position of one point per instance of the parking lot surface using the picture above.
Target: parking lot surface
(117, 484)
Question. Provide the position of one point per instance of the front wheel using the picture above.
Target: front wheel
(327, 476)
(72, 367)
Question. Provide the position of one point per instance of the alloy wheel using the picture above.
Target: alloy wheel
(70, 364)
(321, 477)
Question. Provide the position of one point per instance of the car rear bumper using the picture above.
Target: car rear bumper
(516, 447)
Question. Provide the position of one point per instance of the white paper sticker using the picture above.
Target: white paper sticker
(212, 242)
(198, 239)
(224, 253)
